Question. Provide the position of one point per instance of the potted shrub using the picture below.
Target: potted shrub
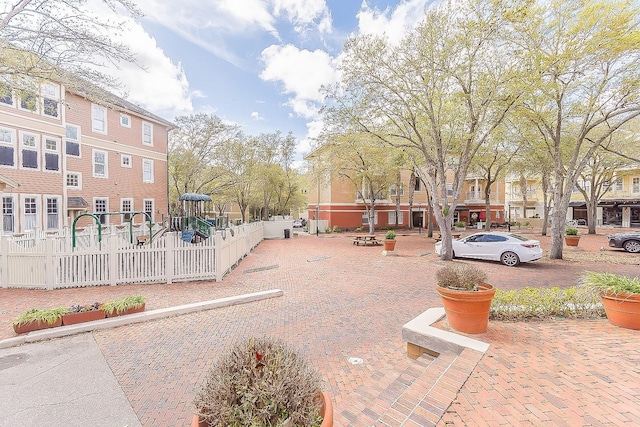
(571, 238)
(390, 241)
(262, 382)
(83, 313)
(126, 305)
(36, 319)
(466, 296)
(460, 226)
(620, 296)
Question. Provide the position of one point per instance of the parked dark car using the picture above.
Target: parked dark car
(630, 241)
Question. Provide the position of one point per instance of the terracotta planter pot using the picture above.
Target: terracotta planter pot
(389, 245)
(35, 326)
(468, 311)
(622, 310)
(571, 240)
(85, 316)
(326, 412)
(129, 311)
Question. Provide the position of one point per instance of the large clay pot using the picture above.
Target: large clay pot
(326, 412)
(389, 244)
(572, 240)
(84, 316)
(622, 310)
(468, 311)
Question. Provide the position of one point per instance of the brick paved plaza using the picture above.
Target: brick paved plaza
(343, 301)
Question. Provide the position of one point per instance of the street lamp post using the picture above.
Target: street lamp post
(508, 217)
(317, 219)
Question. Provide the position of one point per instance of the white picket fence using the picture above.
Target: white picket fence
(52, 262)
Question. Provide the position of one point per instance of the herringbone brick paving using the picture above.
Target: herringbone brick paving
(343, 301)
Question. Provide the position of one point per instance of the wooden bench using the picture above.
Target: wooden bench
(365, 240)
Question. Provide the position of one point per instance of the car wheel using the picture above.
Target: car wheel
(510, 259)
(632, 246)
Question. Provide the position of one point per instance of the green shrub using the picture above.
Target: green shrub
(571, 231)
(598, 283)
(49, 316)
(123, 304)
(359, 229)
(390, 235)
(460, 224)
(543, 303)
(336, 229)
(260, 382)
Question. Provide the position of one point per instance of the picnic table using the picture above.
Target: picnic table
(366, 240)
(438, 236)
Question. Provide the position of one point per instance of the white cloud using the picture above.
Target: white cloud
(160, 86)
(391, 22)
(209, 23)
(301, 73)
(305, 13)
(256, 116)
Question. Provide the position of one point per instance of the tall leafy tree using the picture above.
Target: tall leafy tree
(63, 41)
(582, 83)
(360, 160)
(439, 94)
(195, 148)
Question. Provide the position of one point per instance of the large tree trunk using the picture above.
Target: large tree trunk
(558, 219)
(592, 214)
(371, 210)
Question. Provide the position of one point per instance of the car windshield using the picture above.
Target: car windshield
(519, 237)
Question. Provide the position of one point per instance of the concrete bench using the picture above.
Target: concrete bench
(421, 337)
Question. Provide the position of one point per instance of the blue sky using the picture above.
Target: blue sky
(255, 63)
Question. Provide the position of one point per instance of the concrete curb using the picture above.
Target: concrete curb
(419, 332)
(144, 316)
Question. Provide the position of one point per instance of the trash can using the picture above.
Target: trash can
(287, 233)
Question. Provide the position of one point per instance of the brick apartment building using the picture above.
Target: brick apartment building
(62, 155)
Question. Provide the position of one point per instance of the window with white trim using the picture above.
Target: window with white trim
(30, 209)
(418, 184)
(50, 99)
(393, 192)
(72, 140)
(635, 185)
(101, 205)
(147, 133)
(100, 164)
(28, 101)
(392, 217)
(29, 150)
(148, 207)
(74, 180)
(51, 154)
(98, 118)
(125, 160)
(53, 213)
(449, 189)
(147, 170)
(126, 205)
(125, 120)
(7, 149)
(6, 94)
(8, 219)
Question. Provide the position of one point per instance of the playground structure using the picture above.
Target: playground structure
(192, 226)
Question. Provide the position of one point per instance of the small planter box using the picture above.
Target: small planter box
(84, 316)
(128, 311)
(35, 326)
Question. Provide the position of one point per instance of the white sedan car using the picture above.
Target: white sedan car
(508, 248)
